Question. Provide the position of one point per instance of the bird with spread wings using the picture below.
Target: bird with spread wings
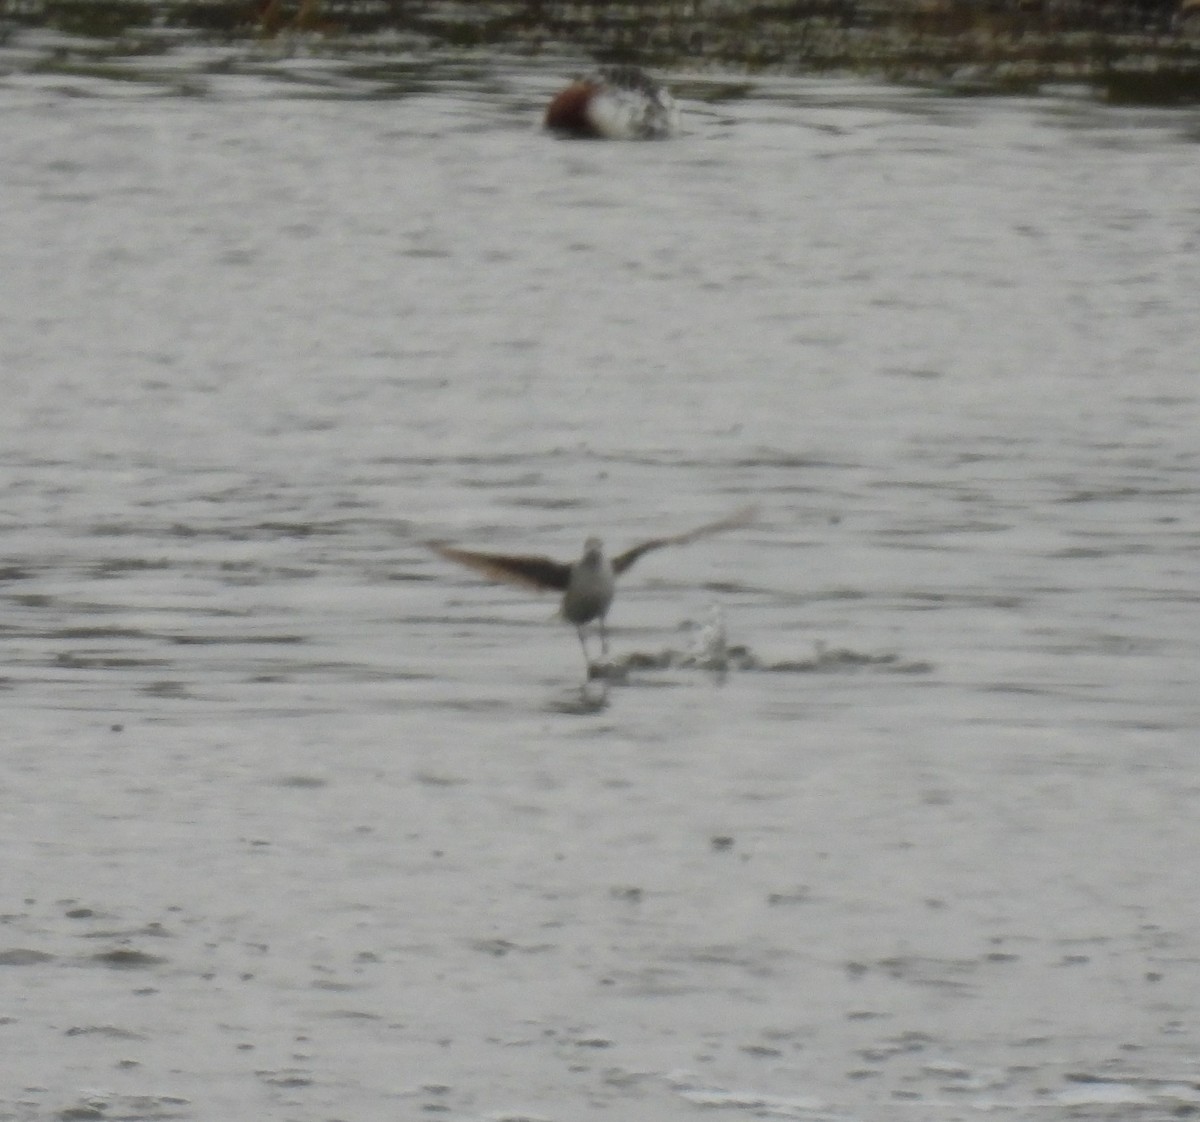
(587, 585)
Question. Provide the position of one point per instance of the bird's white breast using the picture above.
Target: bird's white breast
(590, 590)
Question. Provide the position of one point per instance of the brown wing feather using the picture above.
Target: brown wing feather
(624, 560)
(541, 573)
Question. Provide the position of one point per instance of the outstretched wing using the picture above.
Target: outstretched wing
(541, 573)
(624, 560)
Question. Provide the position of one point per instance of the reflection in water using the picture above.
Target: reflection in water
(591, 697)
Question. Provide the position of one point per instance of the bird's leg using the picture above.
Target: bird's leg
(603, 638)
(587, 662)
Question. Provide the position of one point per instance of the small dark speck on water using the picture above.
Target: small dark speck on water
(306, 781)
(124, 959)
(21, 956)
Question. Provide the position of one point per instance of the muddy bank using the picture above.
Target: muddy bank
(1137, 52)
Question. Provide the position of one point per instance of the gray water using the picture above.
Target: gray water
(301, 822)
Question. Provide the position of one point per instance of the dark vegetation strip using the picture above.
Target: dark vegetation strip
(1145, 51)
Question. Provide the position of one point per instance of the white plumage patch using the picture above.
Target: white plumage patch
(632, 111)
(628, 105)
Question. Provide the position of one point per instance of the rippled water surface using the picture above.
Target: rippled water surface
(302, 822)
